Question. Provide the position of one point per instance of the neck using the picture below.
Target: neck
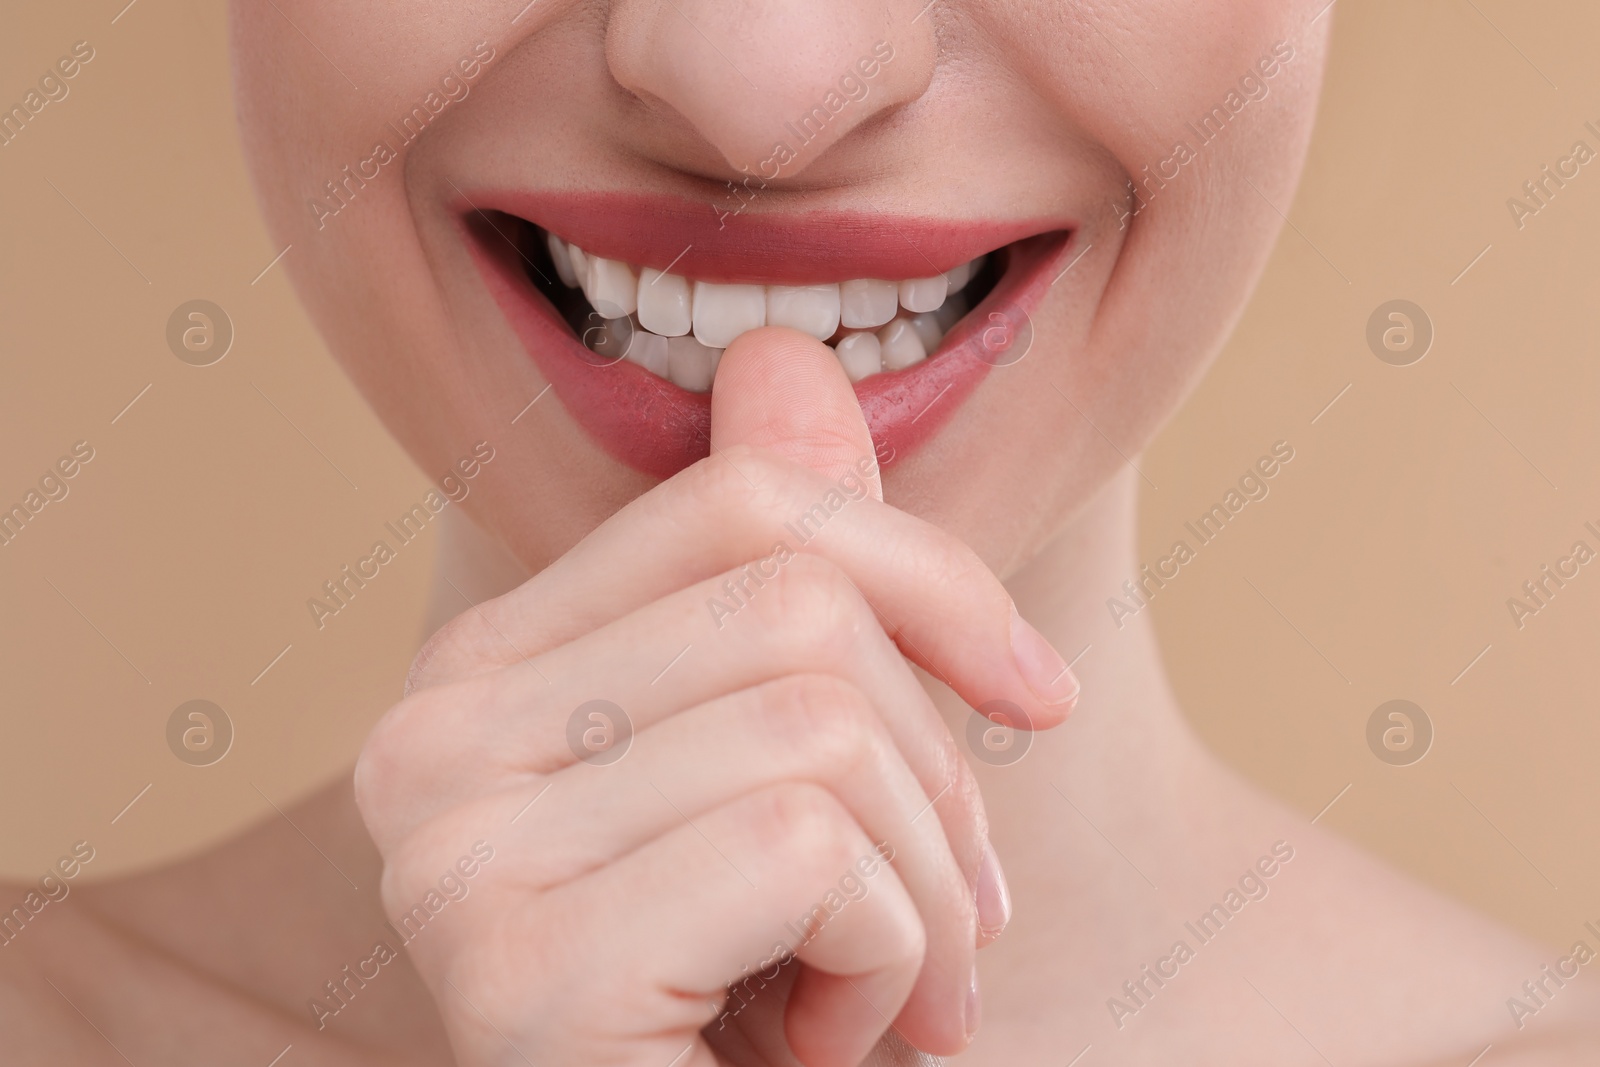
(1062, 592)
(1127, 746)
(1099, 812)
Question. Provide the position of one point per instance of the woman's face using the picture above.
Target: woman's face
(1122, 167)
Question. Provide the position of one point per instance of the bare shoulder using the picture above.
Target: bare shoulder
(208, 960)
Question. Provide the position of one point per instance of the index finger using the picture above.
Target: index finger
(748, 509)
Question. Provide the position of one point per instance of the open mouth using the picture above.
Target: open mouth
(626, 301)
(676, 327)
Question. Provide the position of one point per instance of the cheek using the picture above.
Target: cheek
(301, 126)
(303, 120)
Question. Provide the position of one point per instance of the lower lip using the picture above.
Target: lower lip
(658, 428)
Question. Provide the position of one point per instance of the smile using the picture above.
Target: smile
(676, 327)
(625, 304)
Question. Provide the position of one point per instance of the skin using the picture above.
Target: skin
(825, 717)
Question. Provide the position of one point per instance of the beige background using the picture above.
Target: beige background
(1381, 561)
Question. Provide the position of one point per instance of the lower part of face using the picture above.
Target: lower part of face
(1024, 228)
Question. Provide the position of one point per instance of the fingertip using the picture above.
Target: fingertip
(992, 898)
(1047, 675)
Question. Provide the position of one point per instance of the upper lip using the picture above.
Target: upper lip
(717, 242)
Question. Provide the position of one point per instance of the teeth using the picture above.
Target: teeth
(691, 364)
(723, 312)
(580, 264)
(649, 350)
(963, 274)
(860, 354)
(563, 262)
(928, 330)
(866, 303)
(610, 338)
(677, 327)
(900, 345)
(923, 294)
(812, 309)
(950, 311)
(611, 287)
(664, 303)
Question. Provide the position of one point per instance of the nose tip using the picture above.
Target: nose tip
(772, 84)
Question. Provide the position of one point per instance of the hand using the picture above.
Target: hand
(781, 745)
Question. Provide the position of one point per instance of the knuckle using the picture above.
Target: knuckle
(393, 751)
(828, 721)
(380, 760)
(451, 648)
(806, 824)
(394, 885)
(424, 859)
(950, 564)
(814, 608)
(913, 938)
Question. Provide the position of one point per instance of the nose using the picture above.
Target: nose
(772, 84)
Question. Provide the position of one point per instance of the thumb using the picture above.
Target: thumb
(785, 391)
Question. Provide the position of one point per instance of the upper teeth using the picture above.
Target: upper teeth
(910, 317)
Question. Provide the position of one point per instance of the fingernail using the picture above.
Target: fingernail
(974, 1005)
(994, 896)
(1041, 666)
